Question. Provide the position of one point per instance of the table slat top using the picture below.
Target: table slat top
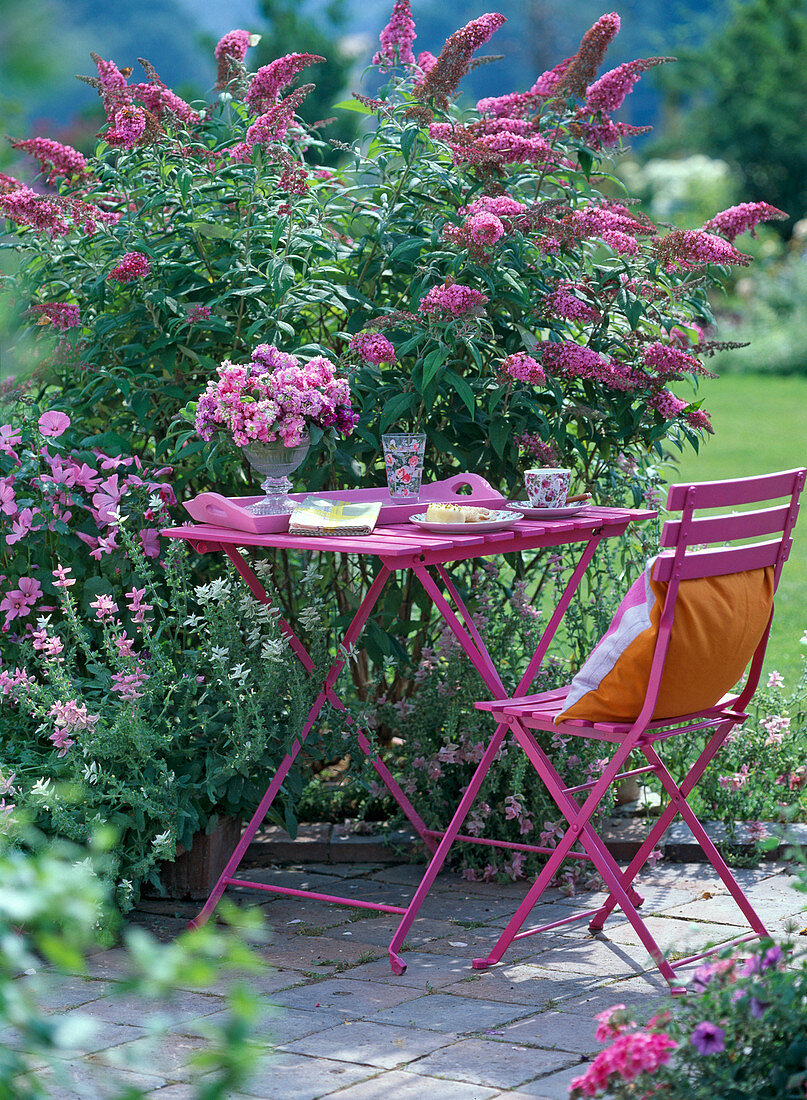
(405, 540)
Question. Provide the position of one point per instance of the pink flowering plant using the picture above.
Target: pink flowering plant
(739, 1032)
(273, 397)
(152, 709)
(476, 269)
(128, 690)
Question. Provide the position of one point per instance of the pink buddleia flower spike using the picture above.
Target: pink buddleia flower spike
(608, 93)
(270, 80)
(582, 68)
(133, 265)
(443, 78)
(56, 160)
(397, 37)
(737, 219)
(230, 52)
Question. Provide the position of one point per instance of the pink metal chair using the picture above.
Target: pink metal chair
(694, 546)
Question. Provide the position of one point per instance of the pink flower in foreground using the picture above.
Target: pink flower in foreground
(269, 80)
(8, 500)
(17, 602)
(524, 368)
(57, 161)
(667, 404)
(230, 52)
(775, 679)
(606, 1028)
(53, 424)
(61, 741)
(564, 302)
(133, 265)
(26, 207)
(485, 228)
(198, 313)
(737, 219)
(373, 347)
(62, 579)
(452, 301)
(9, 438)
(608, 93)
(128, 128)
(128, 685)
(20, 526)
(105, 607)
(63, 315)
(632, 1053)
(397, 37)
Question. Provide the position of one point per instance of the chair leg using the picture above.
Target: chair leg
(663, 822)
(528, 904)
(579, 828)
(708, 846)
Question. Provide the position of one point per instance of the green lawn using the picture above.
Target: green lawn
(760, 426)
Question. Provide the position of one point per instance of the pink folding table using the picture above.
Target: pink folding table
(404, 546)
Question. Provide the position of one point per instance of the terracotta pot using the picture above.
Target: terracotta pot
(628, 790)
(194, 872)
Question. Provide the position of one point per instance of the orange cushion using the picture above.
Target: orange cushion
(718, 624)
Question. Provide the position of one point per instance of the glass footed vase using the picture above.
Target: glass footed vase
(274, 462)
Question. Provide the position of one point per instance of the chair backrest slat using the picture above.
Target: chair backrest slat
(729, 494)
(725, 528)
(717, 561)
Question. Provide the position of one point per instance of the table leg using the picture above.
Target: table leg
(473, 645)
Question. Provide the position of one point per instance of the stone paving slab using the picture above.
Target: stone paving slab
(552, 1030)
(456, 1015)
(296, 1077)
(519, 984)
(403, 1085)
(493, 1064)
(348, 996)
(553, 1087)
(369, 1043)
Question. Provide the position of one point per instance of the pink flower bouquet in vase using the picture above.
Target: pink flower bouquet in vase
(267, 408)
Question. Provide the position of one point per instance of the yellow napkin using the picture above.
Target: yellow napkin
(318, 516)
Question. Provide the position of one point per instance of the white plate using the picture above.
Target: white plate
(526, 509)
(499, 521)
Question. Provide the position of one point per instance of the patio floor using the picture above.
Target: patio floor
(342, 1025)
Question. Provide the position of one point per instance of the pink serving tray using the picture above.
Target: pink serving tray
(232, 512)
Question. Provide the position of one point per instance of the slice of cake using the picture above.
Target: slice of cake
(456, 513)
(445, 513)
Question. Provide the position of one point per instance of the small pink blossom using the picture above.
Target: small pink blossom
(53, 424)
(8, 501)
(20, 526)
(62, 315)
(608, 93)
(269, 80)
(373, 347)
(453, 301)
(737, 219)
(56, 160)
(775, 679)
(485, 228)
(105, 607)
(524, 368)
(132, 265)
(397, 37)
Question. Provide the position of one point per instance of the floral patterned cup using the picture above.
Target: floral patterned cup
(547, 488)
(403, 458)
